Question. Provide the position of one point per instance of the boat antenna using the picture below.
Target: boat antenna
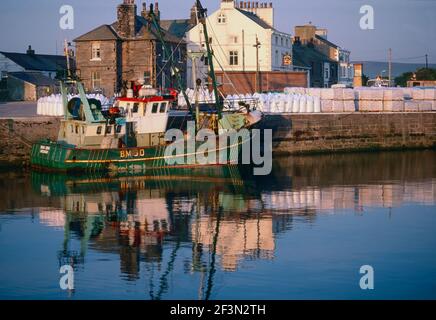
(202, 15)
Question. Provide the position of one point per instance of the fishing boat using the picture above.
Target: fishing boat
(130, 136)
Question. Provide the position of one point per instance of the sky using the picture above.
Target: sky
(406, 26)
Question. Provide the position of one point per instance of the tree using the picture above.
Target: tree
(419, 74)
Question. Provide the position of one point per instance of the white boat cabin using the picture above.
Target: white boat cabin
(149, 115)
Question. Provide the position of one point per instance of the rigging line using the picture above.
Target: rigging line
(219, 63)
(231, 83)
(224, 54)
(170, 58)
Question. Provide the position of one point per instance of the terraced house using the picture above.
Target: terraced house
(112, 55)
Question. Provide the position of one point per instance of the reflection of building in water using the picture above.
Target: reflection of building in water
(52, 218)
(343, 197)
(247, 237)
(129, 222)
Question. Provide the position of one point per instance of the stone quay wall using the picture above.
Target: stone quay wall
(292, 133)
(323, 133)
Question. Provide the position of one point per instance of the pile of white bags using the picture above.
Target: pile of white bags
(53, 106)
(278, 102)
(425, 98)
(329, 100)
(203, 96)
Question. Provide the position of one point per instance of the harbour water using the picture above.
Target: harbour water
(301, 233)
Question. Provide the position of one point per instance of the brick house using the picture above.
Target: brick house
(129, 49)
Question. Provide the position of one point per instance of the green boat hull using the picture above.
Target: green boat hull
(56, 156)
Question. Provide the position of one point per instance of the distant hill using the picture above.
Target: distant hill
(374, 68)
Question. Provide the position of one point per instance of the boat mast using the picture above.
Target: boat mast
(67, 56)
(202, 15)
(167, 53)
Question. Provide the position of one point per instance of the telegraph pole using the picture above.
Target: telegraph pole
(390, 65)
(257, 46)
(426, 61)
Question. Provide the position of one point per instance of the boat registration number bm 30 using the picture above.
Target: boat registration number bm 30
(132, 153)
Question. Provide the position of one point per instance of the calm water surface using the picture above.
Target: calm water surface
(301, 233)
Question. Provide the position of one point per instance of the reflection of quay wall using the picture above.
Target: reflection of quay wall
(339, 197)
(246, 238)
(350, 169)
(18, 193)
(297, 133)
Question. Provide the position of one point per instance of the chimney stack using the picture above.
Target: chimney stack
(126, 22)
(30, 51)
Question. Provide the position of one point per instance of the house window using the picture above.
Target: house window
(326, 72)
(119, 129)
(99, 130)
(222, 19)
(277, 41)
(108, 129)
(281, 40)
(234, 58)
(96, 80)
(147, 77)
(287, 42)
(235, 39)
(96, 53)
(277, 58)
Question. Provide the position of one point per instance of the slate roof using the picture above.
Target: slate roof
(36, 78)
(331, 44)
(104, 32)
(38, 62)
(177, 27)
(143, 31)
(255, 18)
(304, 55)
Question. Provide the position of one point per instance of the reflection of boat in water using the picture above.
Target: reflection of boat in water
(137, 217)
